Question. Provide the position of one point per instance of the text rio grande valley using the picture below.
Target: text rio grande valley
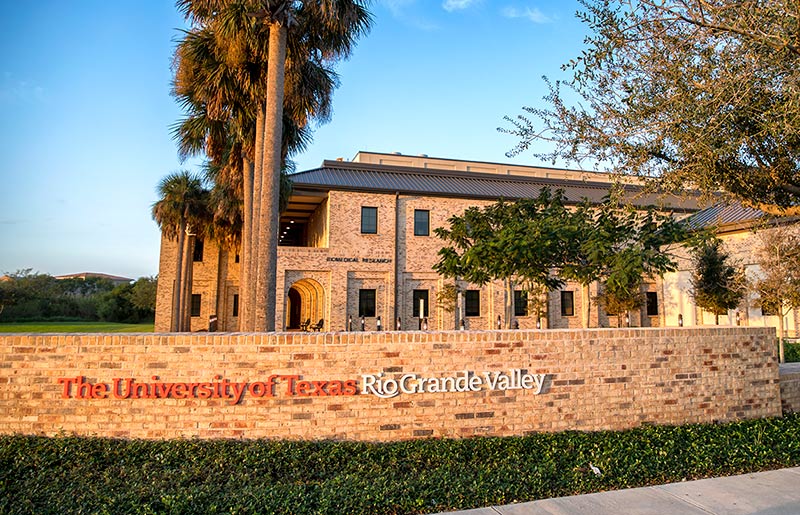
(296, 386)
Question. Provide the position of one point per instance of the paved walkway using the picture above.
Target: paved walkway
(776, 492)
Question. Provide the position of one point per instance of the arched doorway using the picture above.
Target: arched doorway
(304, 303)
(294, 310)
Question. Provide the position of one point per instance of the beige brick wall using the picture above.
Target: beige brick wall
(342, 260)
(596, 379)
(790, 387)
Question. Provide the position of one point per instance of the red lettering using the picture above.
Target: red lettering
(83, 389)
(67, 382)
(335, 388)
(99, 391)
(351, 387)
(304, 388)
(259, 389)
(291, 380)
(205, 390)
(180, 390)
(319, 388)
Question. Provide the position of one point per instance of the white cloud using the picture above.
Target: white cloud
(458, 5)
(396, 7)
(406, 12)
(531, 13)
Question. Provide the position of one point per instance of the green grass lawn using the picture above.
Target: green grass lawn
(74, 327)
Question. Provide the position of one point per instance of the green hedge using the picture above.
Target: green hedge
(96, 475)
(791, 351)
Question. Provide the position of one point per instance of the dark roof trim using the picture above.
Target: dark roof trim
(494, 163)
(368, 177)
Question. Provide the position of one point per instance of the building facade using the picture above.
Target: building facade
(741, 231)
(358, 246)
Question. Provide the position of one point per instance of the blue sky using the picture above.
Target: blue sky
(85, 110)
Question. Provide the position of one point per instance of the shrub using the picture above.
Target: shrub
(69, 474)
(791, 351)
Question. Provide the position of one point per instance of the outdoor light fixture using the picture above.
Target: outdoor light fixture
(680, 320)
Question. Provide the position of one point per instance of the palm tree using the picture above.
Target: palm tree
(180, 207)
(293, 36)
(299, 41)
(220, 124)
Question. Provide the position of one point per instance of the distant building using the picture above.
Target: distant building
(738, 227)
(358, 241)
(116, 279)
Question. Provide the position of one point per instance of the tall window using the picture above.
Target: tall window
(420, 297)
(567, 304)
(366, 303)
(236, 304)
(369, 220)
(422, 222)
(472, 303)
(520, 303)
(652, 304)
(197, 254)
(195, 310)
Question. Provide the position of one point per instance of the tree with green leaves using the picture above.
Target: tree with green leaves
(143, 294)
(517, 241)
(717, 285)
(619, 246)
(276, 37)
(180, 210)
(540, 243)
(778, 283)
(688, 94)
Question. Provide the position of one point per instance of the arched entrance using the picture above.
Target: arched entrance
(304, 303)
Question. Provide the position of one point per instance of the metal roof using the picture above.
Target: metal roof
(732, 217)
(725, 215)
(337, 175)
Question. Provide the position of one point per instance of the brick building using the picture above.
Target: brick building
(740, 229)
(357, 240)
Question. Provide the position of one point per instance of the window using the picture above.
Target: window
(197, 254)
(235, 304)
(369, 220)
(420, 297)
(520, 303)
(195, 305)
(567, 304)
(366, 303)
(652, 304)
(422, 222)
(236, 259)
(472, 303)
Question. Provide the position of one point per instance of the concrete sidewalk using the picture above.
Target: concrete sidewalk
(776, 492)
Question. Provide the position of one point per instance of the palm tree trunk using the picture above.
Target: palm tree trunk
(254, 265)
(177, 293)
(269, 226)
(186, 304)
(244, 249)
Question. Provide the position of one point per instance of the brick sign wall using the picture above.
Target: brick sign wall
(383, 386)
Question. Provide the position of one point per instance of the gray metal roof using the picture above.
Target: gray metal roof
(725, 215)
(336, 175)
